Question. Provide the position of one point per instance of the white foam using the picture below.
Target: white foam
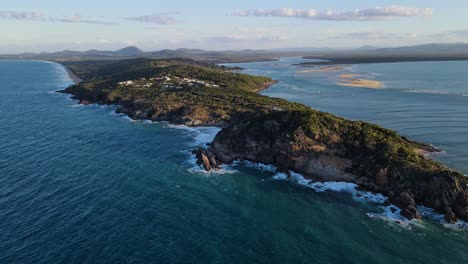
(196, 168)
(259, 166)
(280, 176)
(391, 214)
(201, 135)
(334, 186)
(126, 117)
(320, 186)
(430, 214)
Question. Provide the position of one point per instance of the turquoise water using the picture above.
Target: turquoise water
(79, 184)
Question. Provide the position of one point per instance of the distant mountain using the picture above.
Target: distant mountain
(367, 47)
(429, 49)
(306, 49)
(129, 51)
(454, 50)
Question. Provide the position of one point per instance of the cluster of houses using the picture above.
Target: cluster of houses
(167, 82)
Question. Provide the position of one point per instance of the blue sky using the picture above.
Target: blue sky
(51, 25)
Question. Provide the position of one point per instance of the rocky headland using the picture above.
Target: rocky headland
(290, 136)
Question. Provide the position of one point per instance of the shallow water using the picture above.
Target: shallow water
(81, 184)
(426, 101)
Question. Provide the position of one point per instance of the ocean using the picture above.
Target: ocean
(81, 184)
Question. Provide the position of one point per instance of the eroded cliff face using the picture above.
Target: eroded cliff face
(289, 142)
(274, 131)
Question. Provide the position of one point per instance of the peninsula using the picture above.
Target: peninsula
(257, 128)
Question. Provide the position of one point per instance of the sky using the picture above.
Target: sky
(54, 25)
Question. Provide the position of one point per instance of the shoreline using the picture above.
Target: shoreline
(266, 86)
(71, 74)
(337, 60)
(214, 157)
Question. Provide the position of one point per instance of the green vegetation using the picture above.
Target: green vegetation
(208, 105)
(279, 132)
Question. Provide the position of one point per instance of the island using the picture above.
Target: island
(291, 136)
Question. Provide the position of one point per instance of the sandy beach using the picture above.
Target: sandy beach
(72, 75)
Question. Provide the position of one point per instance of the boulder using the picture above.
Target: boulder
(408, 206)
(207, 159)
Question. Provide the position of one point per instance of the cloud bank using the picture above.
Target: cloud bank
(378, 13)
(39, 16)
(160, 19)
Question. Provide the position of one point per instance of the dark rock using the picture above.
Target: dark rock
(207, 159)
(450, 217)
(411, 212)
(404, 199)
(205, 162)
(408, 206)
(381, 178)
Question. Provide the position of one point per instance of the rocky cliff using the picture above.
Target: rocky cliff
(326, 148)
(290, 136)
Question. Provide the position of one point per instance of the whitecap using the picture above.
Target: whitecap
(280, 176)
(317, 186)
(198, 169)
(201, 135)
(429, 213)
(259, 166)
(391, 214)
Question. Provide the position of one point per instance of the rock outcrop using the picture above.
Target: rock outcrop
(374, 158)
(207, 159)
(290, 136)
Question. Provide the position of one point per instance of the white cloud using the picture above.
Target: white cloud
(39, 16)
(161, 19)
(378, 13)
(243, 38)
(22, 15)
(451, 35)
(372, 35)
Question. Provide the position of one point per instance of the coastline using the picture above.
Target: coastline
(71, 74)
(220, 152)
(266, 86)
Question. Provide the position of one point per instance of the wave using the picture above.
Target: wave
(435, 92)
(198, 169)
(391, 214)
(318, 186)
(260, 166)
(334, 186)
(386, 211)
(201, 135)
(430, 214)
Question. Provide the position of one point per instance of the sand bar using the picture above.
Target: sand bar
(348, 75)
(332, 68)
(363, 83)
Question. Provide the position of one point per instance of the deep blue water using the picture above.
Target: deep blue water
(79, 184)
